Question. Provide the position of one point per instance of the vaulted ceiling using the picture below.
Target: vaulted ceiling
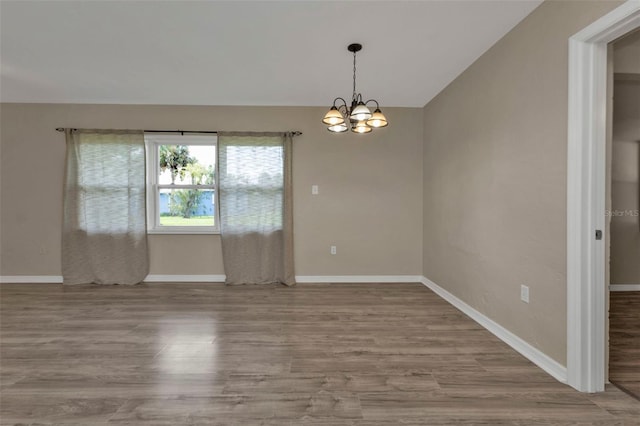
(242, 52)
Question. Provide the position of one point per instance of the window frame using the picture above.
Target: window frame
(153, 141)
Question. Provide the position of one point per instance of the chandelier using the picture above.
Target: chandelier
(357, 117)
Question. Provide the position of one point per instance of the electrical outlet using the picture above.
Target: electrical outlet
(314, 189)
(524, 293)
(333, 250)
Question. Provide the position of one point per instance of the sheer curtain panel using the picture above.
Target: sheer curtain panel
(256, 209)
(104, 235)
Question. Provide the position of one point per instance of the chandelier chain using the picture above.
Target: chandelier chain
(354, 75)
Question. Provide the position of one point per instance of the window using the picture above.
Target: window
(182, 195)
(253, 176)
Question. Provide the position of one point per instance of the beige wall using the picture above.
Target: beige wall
(625, 229)
(626, 53)
(369, 205)
(495, 170)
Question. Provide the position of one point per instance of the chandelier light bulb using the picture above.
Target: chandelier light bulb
(338, 128)
(361, 127)
(333, 117)
(360, 112)
(378, 119)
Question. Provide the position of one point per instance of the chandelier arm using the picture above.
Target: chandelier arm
(345, 108)
(341, 99)
(344, 105)
(373, 100)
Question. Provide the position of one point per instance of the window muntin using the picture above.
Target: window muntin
(182, 184)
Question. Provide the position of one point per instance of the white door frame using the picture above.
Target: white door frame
(586, 191)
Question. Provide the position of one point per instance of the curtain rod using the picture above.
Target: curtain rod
(182, 132)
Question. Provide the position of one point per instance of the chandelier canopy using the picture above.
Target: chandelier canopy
(357, 117)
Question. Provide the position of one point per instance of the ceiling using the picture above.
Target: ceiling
(242, 52)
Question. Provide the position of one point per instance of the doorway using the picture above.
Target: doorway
(624, 215)
(586, 195)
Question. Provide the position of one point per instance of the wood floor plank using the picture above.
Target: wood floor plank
(624, 341)
(322, 354)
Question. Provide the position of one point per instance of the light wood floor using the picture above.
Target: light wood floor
(323, 355)
(624, 340)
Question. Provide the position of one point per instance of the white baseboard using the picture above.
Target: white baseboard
(358, 278)
(551, 366)
(624, 287)
(38, 279)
